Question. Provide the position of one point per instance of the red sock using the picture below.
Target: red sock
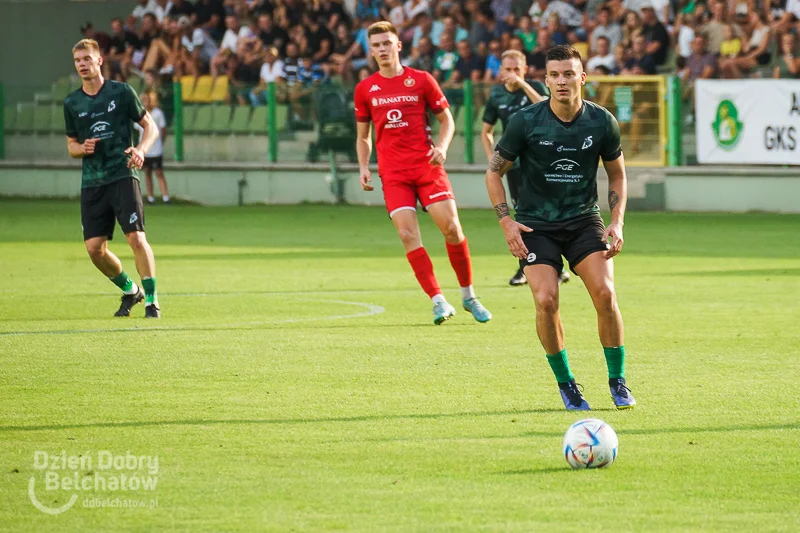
(459, 258)
(423, 269)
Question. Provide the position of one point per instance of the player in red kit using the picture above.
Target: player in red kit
(396, 99)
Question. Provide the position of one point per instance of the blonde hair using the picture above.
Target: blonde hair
(381, 27)
(515, 54)
(86, 44)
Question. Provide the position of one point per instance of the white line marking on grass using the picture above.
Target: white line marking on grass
(370, 310)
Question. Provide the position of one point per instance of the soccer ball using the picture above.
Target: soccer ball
(590, 443)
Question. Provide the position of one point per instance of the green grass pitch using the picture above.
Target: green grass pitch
(296, 382)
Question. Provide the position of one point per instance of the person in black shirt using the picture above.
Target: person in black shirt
(294, 10)
(120, 54)
(537, 58)
(640, 61)
(332, 13)
(210, 16)
(181, 7)
(271, 34)
(655, 34)
(320, 39)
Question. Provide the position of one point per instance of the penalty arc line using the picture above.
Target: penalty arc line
(370, 310)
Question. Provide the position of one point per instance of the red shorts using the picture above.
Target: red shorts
(428, 184)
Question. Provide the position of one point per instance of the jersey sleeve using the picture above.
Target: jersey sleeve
(611, 148)
(434, 97)
(514, 140)
(135, 109)
(490, 116)
(361, 104)
(69, 123)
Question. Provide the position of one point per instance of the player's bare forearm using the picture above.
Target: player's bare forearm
(487, 140)
(447, 128)
(617, 188)
(150, 133)
(530, 92)
(75, 148)
(498, 166)
(363, 143)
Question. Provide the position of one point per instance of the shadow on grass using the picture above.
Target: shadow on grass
(758, 273)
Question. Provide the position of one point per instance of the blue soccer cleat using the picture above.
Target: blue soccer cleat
(623, 398)
(477, 309)
(572, 397)
(442, 312)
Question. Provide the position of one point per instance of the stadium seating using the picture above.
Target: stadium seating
(240, 121)
(221, 119)
(9, 118)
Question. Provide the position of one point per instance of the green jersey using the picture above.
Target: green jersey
(108, 116)
(502, 104)
(559, 160)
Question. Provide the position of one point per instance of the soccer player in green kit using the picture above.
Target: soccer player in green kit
(505, 99)
(560, 142)
(99, 121)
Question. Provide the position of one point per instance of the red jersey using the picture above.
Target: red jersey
(398, 107)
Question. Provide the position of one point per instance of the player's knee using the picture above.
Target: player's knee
(546, 302)
(408, 236)
(452, 232)
(605, 299)
(137, 240)
(96, 250)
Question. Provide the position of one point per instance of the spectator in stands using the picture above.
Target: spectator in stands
(310, 75)
(446, 58)
(655, 34)
(640, 62)
(701, 65)
(102, 38)
(554, 27)
(618, 11)
(163, 91)
(423, 56)
(181, 8)
(631, 28)
(494, 61)
(342, 67)
(788, 64)
(320, 39)
(603, 57)
(683, 33)
(332, 13)
(228, 46)
(450, 25)
(468, 66)
(291, 63)
(197, 49)
(568, 15)
(620, 57)
(165, 50)
(537, 59)
(161, 9)
(754, 54)
(731, 45)
(271, 34)
(785, 19)
(714, 30)
(397, 15)
(606, 27)
(137, 15)
(369, 9)
(210, 16)
(271, 71)
(123, 43)
(484, 27)
(290, 12)
(526, 32)
(425, 26)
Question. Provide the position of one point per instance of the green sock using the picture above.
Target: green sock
(123, 282)
(560, 365)
(615, 359)
(149, 285)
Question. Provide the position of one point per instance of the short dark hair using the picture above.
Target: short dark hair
(562, 52)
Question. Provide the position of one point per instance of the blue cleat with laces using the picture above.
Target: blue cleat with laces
(442, 312)
(623, 398)
(477, 309)
(572, 397)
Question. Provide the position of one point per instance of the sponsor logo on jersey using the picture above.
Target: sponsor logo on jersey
(545, 143)
(587, 142)
(98, 114)
(564, 171)
(83, 114)
(374, 88)
(564, 164)
(566, 149)
(111, 106)
(409, 82)
(395, 118)
(403, 99)
(524, 101)
(101, 130)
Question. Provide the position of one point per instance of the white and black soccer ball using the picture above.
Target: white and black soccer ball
(590, 443)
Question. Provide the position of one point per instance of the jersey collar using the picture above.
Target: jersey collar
(95, 95)
(568, 125)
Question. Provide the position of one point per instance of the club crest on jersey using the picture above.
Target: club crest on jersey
(409, 82)
(111, 106)
(587, 142)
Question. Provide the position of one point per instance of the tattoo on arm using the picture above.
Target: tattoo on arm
(501, 210)
(496, 163)
(613, 199)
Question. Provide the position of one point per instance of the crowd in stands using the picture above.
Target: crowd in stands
(304, 43)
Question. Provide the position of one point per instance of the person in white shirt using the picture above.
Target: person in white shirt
(271, 71)
(197, 48)
(153, 159)
(230, 44)
(603, 57)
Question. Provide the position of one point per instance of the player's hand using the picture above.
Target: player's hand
(88, 146)
(437, 155)
(614, 230)
(365, 176)
(137, 157)
(512, 79)
(513, 232)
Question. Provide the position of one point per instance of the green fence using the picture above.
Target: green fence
(208, 123)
